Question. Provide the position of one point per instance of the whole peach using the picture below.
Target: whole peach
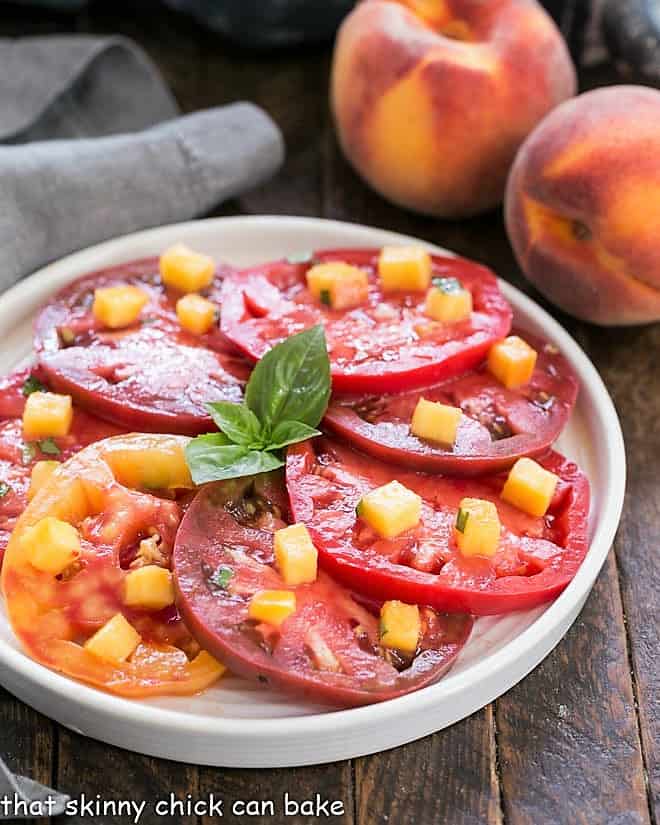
(432, 98)
(583, 206)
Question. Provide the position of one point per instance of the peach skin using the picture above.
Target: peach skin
(432, 98)
(583, 206)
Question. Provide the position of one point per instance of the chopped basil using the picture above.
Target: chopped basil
(48, 446)
(447, 286)
(324, 297)
(221, 577)
(462, 519)
(32, 384)
(4, 489)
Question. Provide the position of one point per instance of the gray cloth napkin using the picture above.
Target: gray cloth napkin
(26, 798)
(85, 162)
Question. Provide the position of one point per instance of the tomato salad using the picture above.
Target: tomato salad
(371, 468)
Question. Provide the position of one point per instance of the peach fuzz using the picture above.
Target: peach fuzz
(432, 98)
(583, 206)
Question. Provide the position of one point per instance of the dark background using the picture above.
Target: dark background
(577, 741)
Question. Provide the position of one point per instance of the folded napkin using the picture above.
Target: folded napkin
(84, 160)
(26, 799)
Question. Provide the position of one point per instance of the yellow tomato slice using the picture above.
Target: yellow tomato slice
(115, 492)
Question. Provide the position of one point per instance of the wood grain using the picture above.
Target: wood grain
(568, 741)
(447, 778)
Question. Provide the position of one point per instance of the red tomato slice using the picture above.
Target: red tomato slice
(329, 648)
(153, 376)
(121, 528)
(537, 557)
(18, 457)
(498, 425)
(385, 346)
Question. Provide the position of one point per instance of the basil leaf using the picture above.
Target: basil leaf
(49, 447)
(292, 381)
(4, 489)
(221, 577)
(290, 432)
(32, 384)
(213, 458)
(237, 422)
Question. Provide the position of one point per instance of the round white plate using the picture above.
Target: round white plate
(236, 724)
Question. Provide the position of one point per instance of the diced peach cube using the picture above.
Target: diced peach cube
(196, 314)
(435, 421)
(477, 530)
(391, 509)
(448, 301)
(115, 641)
(272, 606)
(530, 487)
(404, 268)
(47, 415)
(400, 626)
(186, 270)
(512, 362)
(338, 285)
(295, 554)
(51, 545)
(149, 587)
(40, 474)
(118, 306)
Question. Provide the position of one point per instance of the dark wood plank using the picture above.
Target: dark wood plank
(98, 771)
(569, 748)
(448, 778)
(628, 363)
(26, 740)
(332, 783)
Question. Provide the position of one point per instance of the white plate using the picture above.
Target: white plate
(235, 724)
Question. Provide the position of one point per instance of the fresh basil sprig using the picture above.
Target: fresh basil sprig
(285, 399)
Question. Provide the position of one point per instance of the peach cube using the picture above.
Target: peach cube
(391, 509)
(530, 487)
(150, 587)
(338, 285)
(272, 606)
(435, 421)
(115, 641)
(295, 554)
(47, 415)
(51, 545)
(118, 306)
(512, 362)
(186, 270)
(448, 301)
(404, 268)
(196, 314)
(400, 626)
(477, 530)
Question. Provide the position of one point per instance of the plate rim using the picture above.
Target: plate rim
(419, 702)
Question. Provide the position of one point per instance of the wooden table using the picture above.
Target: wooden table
(578, 740)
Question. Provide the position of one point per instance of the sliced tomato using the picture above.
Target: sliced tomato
(121, 528)
(536, 559)
(498, 425)
(153, 376)
(328, 649)
(387, 345)
(18, 456)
